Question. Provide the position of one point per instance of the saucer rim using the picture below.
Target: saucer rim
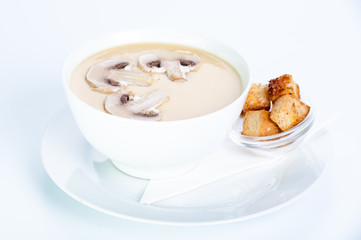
(89, 204)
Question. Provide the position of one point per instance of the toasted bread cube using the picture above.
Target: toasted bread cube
(281, 86)
(258, 124)
(257, 99)
(288, 111)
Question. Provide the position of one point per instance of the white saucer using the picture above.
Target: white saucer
(90, 178)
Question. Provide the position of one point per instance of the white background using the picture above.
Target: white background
(318, 42)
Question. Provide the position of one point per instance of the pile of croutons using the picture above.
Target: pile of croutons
(273, 108)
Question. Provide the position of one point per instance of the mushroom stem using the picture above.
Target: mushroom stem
(174, 70)
(148, 102)
(133, 78)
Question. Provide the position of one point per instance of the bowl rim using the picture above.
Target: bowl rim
(195, 36)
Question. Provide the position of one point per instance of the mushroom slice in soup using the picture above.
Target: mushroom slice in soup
(150, 63)
(116, 101)
(114, 74)
(174, 70)
(189, 61)
(174, 63)
(138, 107)
(185, 62)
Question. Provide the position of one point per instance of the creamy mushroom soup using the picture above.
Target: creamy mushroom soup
(158, 82)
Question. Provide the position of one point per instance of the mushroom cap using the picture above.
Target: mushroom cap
(113, 102)
(150, 63)
(189, 61)
(114, 74)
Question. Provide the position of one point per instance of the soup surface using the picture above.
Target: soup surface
(160, 82)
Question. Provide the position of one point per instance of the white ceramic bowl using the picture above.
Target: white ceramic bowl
(148, 149)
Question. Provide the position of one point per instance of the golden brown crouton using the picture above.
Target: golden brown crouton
(258, 123)
(257, 99)
(281, 86)
(288, 111)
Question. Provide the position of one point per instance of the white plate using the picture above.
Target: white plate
(90, 178)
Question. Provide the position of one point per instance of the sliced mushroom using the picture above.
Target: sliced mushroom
(148, 102)
(138, 107)
(150, 63)
(188, 60)
(113, 75)
(175, 63)
(131, 78)
(174, 70)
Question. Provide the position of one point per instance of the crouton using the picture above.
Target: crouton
(288, 111)
(257, 99)
(258, 123)
(281, 86)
